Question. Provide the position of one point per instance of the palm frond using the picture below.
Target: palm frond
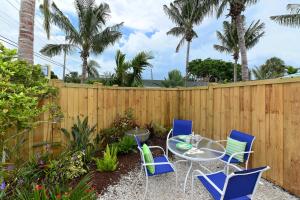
(45, 10)
(292, 19)
(176, 31)
(180, 44)
(56, 49)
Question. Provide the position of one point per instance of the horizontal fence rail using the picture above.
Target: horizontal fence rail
(269, 110)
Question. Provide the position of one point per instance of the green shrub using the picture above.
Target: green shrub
(109, 162)
(125, 122)
(157, 130)
(81, 191)
(126, 145)
(80, 137)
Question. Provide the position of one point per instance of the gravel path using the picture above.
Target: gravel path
(131, 187)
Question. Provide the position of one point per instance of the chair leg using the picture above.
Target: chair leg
(192, 188)
(146, 189)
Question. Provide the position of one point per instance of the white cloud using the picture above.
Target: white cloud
(143, 16)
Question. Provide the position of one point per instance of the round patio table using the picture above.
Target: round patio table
(203, 150)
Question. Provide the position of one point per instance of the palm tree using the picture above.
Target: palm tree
(292, 19)
(236, 8)
(92, 67)
(129, 73)
(185, 14)
(174, 79)
(138, 64)
(230, 42)
(26, 28)
(121, 68)
(91, 36)
(273, 68)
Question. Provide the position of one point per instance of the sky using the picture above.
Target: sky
(145, 27)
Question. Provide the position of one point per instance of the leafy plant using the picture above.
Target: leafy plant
(174, 79)
(109, 162)
(125, 145)
(82, 190)
(23, 87)
(157, 130)
(80, 138)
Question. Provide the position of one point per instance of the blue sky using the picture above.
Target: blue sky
(145, 27)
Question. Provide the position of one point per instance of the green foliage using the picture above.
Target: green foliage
(109, 162)
(53, 75)
(175, 79)
(72, 77)
(213, 70)
(273, 68)
(291, 70)
(292, 19)
(157, 130)
(23, 87)
(125, 145)
(81, 191)
(117, 130)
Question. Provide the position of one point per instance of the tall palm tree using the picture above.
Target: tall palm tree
(91, 36)
(230, 41)
(185, 14)
(292, 19)
(236, 8)
(92, 69)
(26, 29)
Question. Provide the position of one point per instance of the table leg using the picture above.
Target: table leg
(187, 176)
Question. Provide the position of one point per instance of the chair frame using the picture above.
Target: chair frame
(144, 166)
(228, 163)
(222, 192)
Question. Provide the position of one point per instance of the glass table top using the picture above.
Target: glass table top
(203, 149)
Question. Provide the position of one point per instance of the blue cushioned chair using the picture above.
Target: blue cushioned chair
(180, 127)
(242, 137)
(161, 163)
(240, 185)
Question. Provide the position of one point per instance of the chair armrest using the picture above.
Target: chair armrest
(200, 173)
(169, 133)
(157, 147)
(161, 163)
(237, 153)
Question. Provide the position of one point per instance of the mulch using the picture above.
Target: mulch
(101, 180)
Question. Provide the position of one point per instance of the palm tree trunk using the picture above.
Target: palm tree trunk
(187, 62)
(26, 30)
(84, 68)
(65, 60)
(235, 70)
(242, 45)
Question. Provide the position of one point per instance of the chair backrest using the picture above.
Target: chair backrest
(243, 137)
(242, 183)
(182, 127)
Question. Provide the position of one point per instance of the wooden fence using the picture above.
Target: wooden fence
(269, 110)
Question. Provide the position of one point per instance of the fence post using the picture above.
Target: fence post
(210, 111)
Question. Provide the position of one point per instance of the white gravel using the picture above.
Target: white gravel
(132, 187)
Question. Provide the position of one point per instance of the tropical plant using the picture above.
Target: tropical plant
(129, 73)
(185, 14)
(72, 77)
(125, 145)
(92, 69)
(91, 36)
(273, 68)
(212, 70)
(82, 190)
(23, 86)
(236, 9)
(175, 79)
(109, 162)
(80, 138)
(292, 19)
(230, 42)
(157, 130)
